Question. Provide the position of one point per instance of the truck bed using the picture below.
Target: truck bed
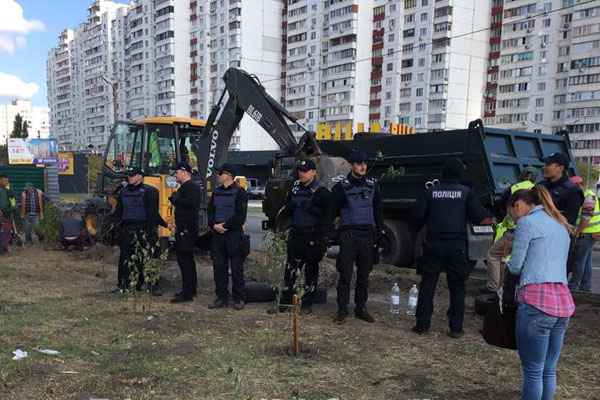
(402, 164)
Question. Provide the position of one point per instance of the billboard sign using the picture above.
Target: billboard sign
(33, 151)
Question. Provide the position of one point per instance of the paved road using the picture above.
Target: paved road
(254, 227)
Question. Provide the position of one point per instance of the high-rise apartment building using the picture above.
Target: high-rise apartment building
(37, 118)
(159, 58)
(232, 33)
(542, 73)
(326, 60)
(428, 62)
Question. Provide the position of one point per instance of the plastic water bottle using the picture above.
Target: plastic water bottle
(395, 299)
(413, 296)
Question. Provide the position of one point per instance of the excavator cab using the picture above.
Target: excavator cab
(153, 144)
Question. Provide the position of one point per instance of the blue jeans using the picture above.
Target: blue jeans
(539, 342)
(587, 279)
(32, 221)
(577, 259)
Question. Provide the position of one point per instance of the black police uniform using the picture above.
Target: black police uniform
(229, 205)
(445, 209)
(566, 196)
(187, 206)
(358, 204)
(137, 210)
(309, 206)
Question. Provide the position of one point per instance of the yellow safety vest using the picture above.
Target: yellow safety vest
(507, 223)
(594, 225)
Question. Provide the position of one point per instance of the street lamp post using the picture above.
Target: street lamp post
(113, 87)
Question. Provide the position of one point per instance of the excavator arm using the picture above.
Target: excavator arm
(247, 95)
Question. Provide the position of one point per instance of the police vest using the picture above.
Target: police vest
(133, 204)
(300, 194)
(561, 189)
(224, 200)
(447, 210)
(359, 204)
(594, 224)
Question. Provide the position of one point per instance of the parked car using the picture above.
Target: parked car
(256, 193)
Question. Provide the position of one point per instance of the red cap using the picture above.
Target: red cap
(576, 179)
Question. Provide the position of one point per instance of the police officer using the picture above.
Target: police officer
(226, 215)
(566, 195)
(137, 211)
(308, 203)
(446, 208)
(356, 200)
(187, 205)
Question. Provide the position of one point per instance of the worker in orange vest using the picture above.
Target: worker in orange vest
(32, 211)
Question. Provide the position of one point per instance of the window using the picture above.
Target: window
(539, 102)
(541, 86)
(389, 67)
(125, 150)
(424, 16)
(419, 107)
(409, 4)
(419, 92)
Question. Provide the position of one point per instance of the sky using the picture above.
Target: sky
(28, 30)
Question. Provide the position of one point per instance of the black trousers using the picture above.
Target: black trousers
(438, 257)
(355, 247)
(305, 249)
(77, 242)
(184, 249)
(128, 232)
(225, 251)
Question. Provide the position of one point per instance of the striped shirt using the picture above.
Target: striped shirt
(549, 297)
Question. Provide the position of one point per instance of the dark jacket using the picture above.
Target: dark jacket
(446, 216)
(187, 204)
(569, 201)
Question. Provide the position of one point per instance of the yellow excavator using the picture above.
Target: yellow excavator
(154, 144)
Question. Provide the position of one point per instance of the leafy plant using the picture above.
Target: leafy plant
(148, 255)
(94, 167)
(51, 225)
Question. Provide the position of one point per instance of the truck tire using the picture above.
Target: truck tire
(419, 241)
(93, 223)
(400, 243)
(98, 226)
(482, 302)
(282, 224)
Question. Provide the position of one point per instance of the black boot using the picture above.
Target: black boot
(362, 313)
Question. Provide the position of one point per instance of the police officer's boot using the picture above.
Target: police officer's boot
(28, 239)
(340, 319)
(362, 313)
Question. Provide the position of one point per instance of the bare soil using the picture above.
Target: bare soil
(60, 300)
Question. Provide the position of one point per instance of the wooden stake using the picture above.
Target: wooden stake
(295, 327)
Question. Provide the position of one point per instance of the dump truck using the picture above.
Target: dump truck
(404, 164)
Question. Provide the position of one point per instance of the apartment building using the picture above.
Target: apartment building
(429, 60)
(543, 71)
(326, 58)
(38, 119)
(232, 33)
(60, 94)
